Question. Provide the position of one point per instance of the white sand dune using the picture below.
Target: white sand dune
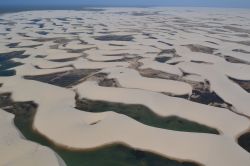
(132, 79)
(17, 151)
(72, 122)
(196, 43)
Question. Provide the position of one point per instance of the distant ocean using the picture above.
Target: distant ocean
(8, 9)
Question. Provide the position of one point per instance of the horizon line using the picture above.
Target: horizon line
(107, 6)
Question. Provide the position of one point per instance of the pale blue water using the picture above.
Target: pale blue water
(183, 3)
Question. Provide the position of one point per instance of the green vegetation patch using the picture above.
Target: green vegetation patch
(144, 115)
(111, 155)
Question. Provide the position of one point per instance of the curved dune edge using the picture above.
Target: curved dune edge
(72, 122)
(59, 121)
(18, 151)
(132, 79)
(107, 154)
(166, 106)
(143, 115)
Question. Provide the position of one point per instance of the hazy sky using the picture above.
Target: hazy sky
(206, 3)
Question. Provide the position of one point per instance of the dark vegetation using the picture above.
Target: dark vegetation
(63, 79)
(111, 155)
(144, 115)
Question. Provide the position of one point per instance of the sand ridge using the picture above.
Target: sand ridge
(195, 45)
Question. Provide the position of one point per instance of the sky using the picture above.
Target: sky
(142, 3)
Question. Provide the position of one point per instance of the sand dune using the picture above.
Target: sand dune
(165, 59)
